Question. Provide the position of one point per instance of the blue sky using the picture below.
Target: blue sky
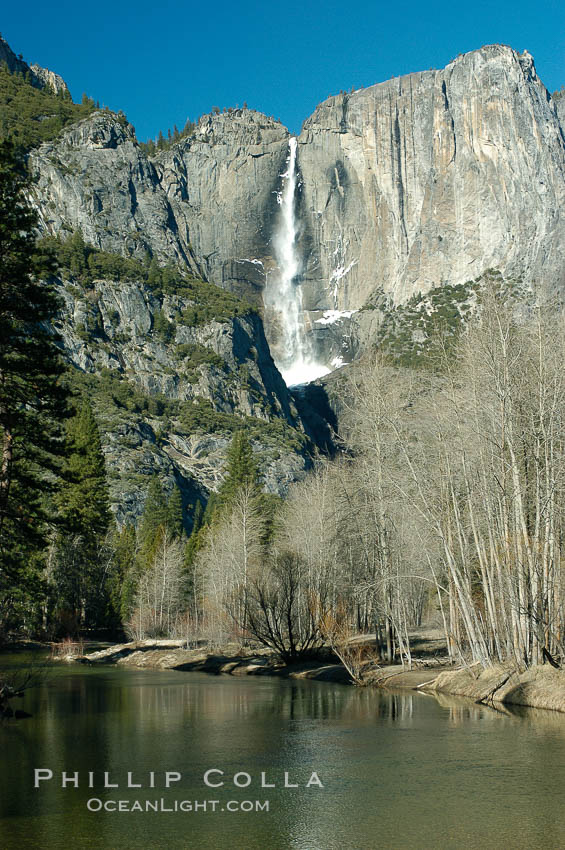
(164, 61)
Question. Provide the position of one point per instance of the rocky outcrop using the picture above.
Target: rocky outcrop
(430, 179)
(559, 103)
(208, 202)
(222, 185)
(96, 177)
(49, 79)
(421, 181)
(169, 392)
(38, 76)
(14, 63)
(424, 181)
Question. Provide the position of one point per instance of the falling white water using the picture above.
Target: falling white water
(292, 350)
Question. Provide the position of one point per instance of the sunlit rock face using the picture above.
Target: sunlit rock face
(418, 182)
(432, 178)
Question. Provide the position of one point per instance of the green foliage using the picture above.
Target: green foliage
(83, 496)
(163, 143)
(164, 328)
(112, 393)
(30, 116)
(412, 332)
(212, 304)
(201, 416)
(122, 585)
(270, 506)
(32, 401)
(160, 516)
(86, 264)
(241, 470)
(154, 520)
(79, 579)
(422, 332)
(194, 355)
(196, 538)
(175, 523)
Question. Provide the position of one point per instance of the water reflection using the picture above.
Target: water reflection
(400, 770)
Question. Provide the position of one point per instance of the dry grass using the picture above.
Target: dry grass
(67, 648)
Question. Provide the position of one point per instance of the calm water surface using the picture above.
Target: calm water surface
(400, 770)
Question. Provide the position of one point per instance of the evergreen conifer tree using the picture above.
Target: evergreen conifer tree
(153, 521)
(196, 537)
(174, 513)
(241, 469)
(84, 495)
(79, 581)
(32, 401)
(123, 581)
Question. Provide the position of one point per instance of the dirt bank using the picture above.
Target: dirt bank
(537, 687)
(170, 655)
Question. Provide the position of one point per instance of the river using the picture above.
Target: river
(399, 770)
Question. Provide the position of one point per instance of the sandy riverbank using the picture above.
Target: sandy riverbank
(537, 687)
(170, 655)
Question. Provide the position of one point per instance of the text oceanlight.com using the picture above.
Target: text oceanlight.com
(170, 780)
(97, 805)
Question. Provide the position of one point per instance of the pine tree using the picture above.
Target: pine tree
(84, 495)
(175, 523)
(196, 537)
(153, 521)
(81, 560)
(32, 401)
(124, 577)
(241, 469)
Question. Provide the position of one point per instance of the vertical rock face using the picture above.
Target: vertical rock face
(96, 177)
(208, 202)
(168, 397)
(430, 179)
(222, 185)
(14, 63)
(559, 103)
(49, 79)
(422, 181)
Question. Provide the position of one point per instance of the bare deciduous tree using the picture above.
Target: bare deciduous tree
(158, 601)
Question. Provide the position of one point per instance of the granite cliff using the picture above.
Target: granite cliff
(419, 182)
(38, 76)
(429, 180)
(172, 375)
(415, 185)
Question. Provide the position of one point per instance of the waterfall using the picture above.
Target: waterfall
(292, 349)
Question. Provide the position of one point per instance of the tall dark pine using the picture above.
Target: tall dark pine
(241, 470)
(80, 578)
(153, 521)
(32, 403)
